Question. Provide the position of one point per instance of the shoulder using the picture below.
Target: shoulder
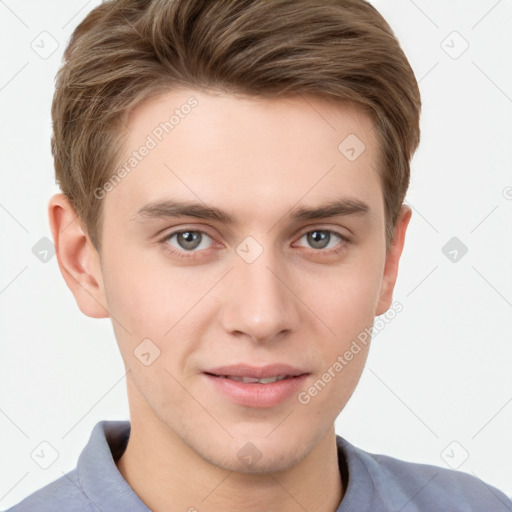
(63, 494)
(95, 484)
(409, 486)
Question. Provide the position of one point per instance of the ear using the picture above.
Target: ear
(392, 258)
(79, 261)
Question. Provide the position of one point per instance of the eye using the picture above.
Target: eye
(188, 240)
(321, 239)
(189, 243)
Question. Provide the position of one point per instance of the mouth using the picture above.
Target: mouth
(254, 380)
(257, 374)
(258, 387)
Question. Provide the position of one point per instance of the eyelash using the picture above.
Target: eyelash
(182, 254)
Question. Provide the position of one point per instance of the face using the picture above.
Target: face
(222, 265)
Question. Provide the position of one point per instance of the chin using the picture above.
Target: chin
(277, 461)
(260, 454)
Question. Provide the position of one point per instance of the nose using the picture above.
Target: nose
(259, 302)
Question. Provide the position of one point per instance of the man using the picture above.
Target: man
(233, 177)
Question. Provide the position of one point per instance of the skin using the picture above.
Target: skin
(296, 303)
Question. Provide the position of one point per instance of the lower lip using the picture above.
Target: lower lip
(257, 395)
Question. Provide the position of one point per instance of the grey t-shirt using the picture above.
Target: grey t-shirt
(376, 483)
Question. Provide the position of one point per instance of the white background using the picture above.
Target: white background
(439, 373)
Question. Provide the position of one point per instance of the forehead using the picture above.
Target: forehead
(258, 155)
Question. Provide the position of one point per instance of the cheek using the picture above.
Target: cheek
(146, 293)
(346, 299)
(347, 307)
(151, 300)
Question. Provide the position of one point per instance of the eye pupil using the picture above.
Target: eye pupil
(189, 239)
(319, 239)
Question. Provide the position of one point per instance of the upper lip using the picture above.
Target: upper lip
(257, 372)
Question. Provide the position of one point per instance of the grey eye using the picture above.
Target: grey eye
(322, 238)
(318, 239)
(189, 240)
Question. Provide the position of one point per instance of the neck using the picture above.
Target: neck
(168, 475)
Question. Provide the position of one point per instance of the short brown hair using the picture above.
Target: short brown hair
(126, 51)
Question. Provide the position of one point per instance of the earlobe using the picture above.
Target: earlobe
(78, 260)
(392, 260)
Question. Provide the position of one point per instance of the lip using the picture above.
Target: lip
(256, 395)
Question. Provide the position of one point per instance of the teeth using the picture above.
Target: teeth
(268, 380)
(253, 380)
(249, 380)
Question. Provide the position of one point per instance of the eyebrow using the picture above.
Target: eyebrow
(173, 208)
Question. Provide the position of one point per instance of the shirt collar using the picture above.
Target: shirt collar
(97, 471)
